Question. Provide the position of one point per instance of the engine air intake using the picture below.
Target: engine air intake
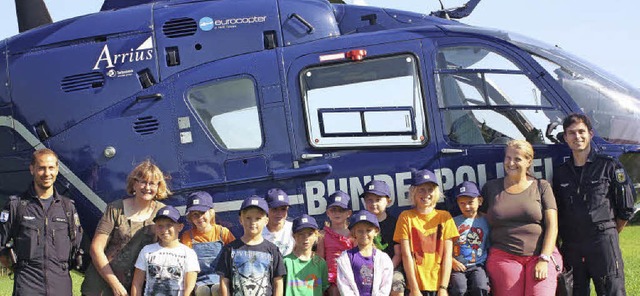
(179, 27)
(82, 81)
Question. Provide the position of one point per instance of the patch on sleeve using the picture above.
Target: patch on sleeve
(4, 216)
(76, 219)
(621, 177)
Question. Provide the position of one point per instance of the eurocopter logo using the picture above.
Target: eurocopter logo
(231, 23)
(142, 53)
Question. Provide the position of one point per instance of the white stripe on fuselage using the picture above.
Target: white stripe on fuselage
(9, 122)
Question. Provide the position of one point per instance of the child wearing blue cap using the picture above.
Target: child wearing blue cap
(251, 265)
(364, 270)
(168, 267)
(470, 249)
(377, 198)
(426, 238)
(306, 271)
(335, 236)
(278, 230)
(206, 238)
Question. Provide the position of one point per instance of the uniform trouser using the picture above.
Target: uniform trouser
(33, 280)
(598, 258)
(475, 276)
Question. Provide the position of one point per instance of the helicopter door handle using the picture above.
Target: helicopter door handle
(284, 174)
(303, 21)
(307, 156)
(452, 151)
(154, 97)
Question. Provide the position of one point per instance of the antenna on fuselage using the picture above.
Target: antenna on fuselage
(444, 11)
(456, 13)
(31, 14)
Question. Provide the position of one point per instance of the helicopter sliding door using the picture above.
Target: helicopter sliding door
(232, 128)
(357, 120)
(487, 97)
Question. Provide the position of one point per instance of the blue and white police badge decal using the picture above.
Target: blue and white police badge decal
(621, 177)
(4, 216)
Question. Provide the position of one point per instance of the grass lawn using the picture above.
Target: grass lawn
(631, 255)
(628, 239)
(6, 284)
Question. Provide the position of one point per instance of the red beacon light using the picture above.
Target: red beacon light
(356, 54)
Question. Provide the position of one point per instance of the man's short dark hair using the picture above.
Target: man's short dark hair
(576, 118)
(44, 151)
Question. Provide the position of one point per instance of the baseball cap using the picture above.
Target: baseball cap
(277, 198)
(199, 201)
(364, 216)
(377, 187)
(304, 221)
(467, 188)
(255, 201)
(339, 199)
(168, 212)
(423, 176)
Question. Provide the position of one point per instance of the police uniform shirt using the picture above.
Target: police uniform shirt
(591, 196)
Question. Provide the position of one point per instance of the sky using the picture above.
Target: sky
(602, 32)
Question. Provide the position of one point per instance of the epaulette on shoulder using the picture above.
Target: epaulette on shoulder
(605, 156)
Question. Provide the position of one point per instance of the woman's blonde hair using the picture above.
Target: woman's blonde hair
(147, 171)
(526, 148)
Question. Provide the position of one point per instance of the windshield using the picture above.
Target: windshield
(612, 104)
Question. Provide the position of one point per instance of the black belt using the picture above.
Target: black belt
(602, 226)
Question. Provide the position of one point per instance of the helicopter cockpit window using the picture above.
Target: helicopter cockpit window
(485, 98)
(221, 105)
(612, 105)
(376, 102)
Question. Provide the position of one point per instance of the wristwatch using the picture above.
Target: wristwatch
(443, 287)
(544, 257)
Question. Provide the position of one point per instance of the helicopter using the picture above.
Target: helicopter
(235, 97)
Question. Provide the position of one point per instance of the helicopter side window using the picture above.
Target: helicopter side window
(487, 99)
(221, 105)
(376, 102)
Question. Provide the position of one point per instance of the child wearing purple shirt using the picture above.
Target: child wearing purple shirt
(364, 270)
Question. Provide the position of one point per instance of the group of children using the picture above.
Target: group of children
(424, 251)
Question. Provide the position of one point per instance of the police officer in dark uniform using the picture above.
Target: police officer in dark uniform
(45, 231)
(595, 201)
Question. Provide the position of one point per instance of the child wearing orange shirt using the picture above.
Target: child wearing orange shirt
(426, 238)
(206, 238)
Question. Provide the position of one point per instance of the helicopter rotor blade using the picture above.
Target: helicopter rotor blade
(31, 14)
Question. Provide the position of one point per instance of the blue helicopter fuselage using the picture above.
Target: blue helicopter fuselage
(235, 97)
